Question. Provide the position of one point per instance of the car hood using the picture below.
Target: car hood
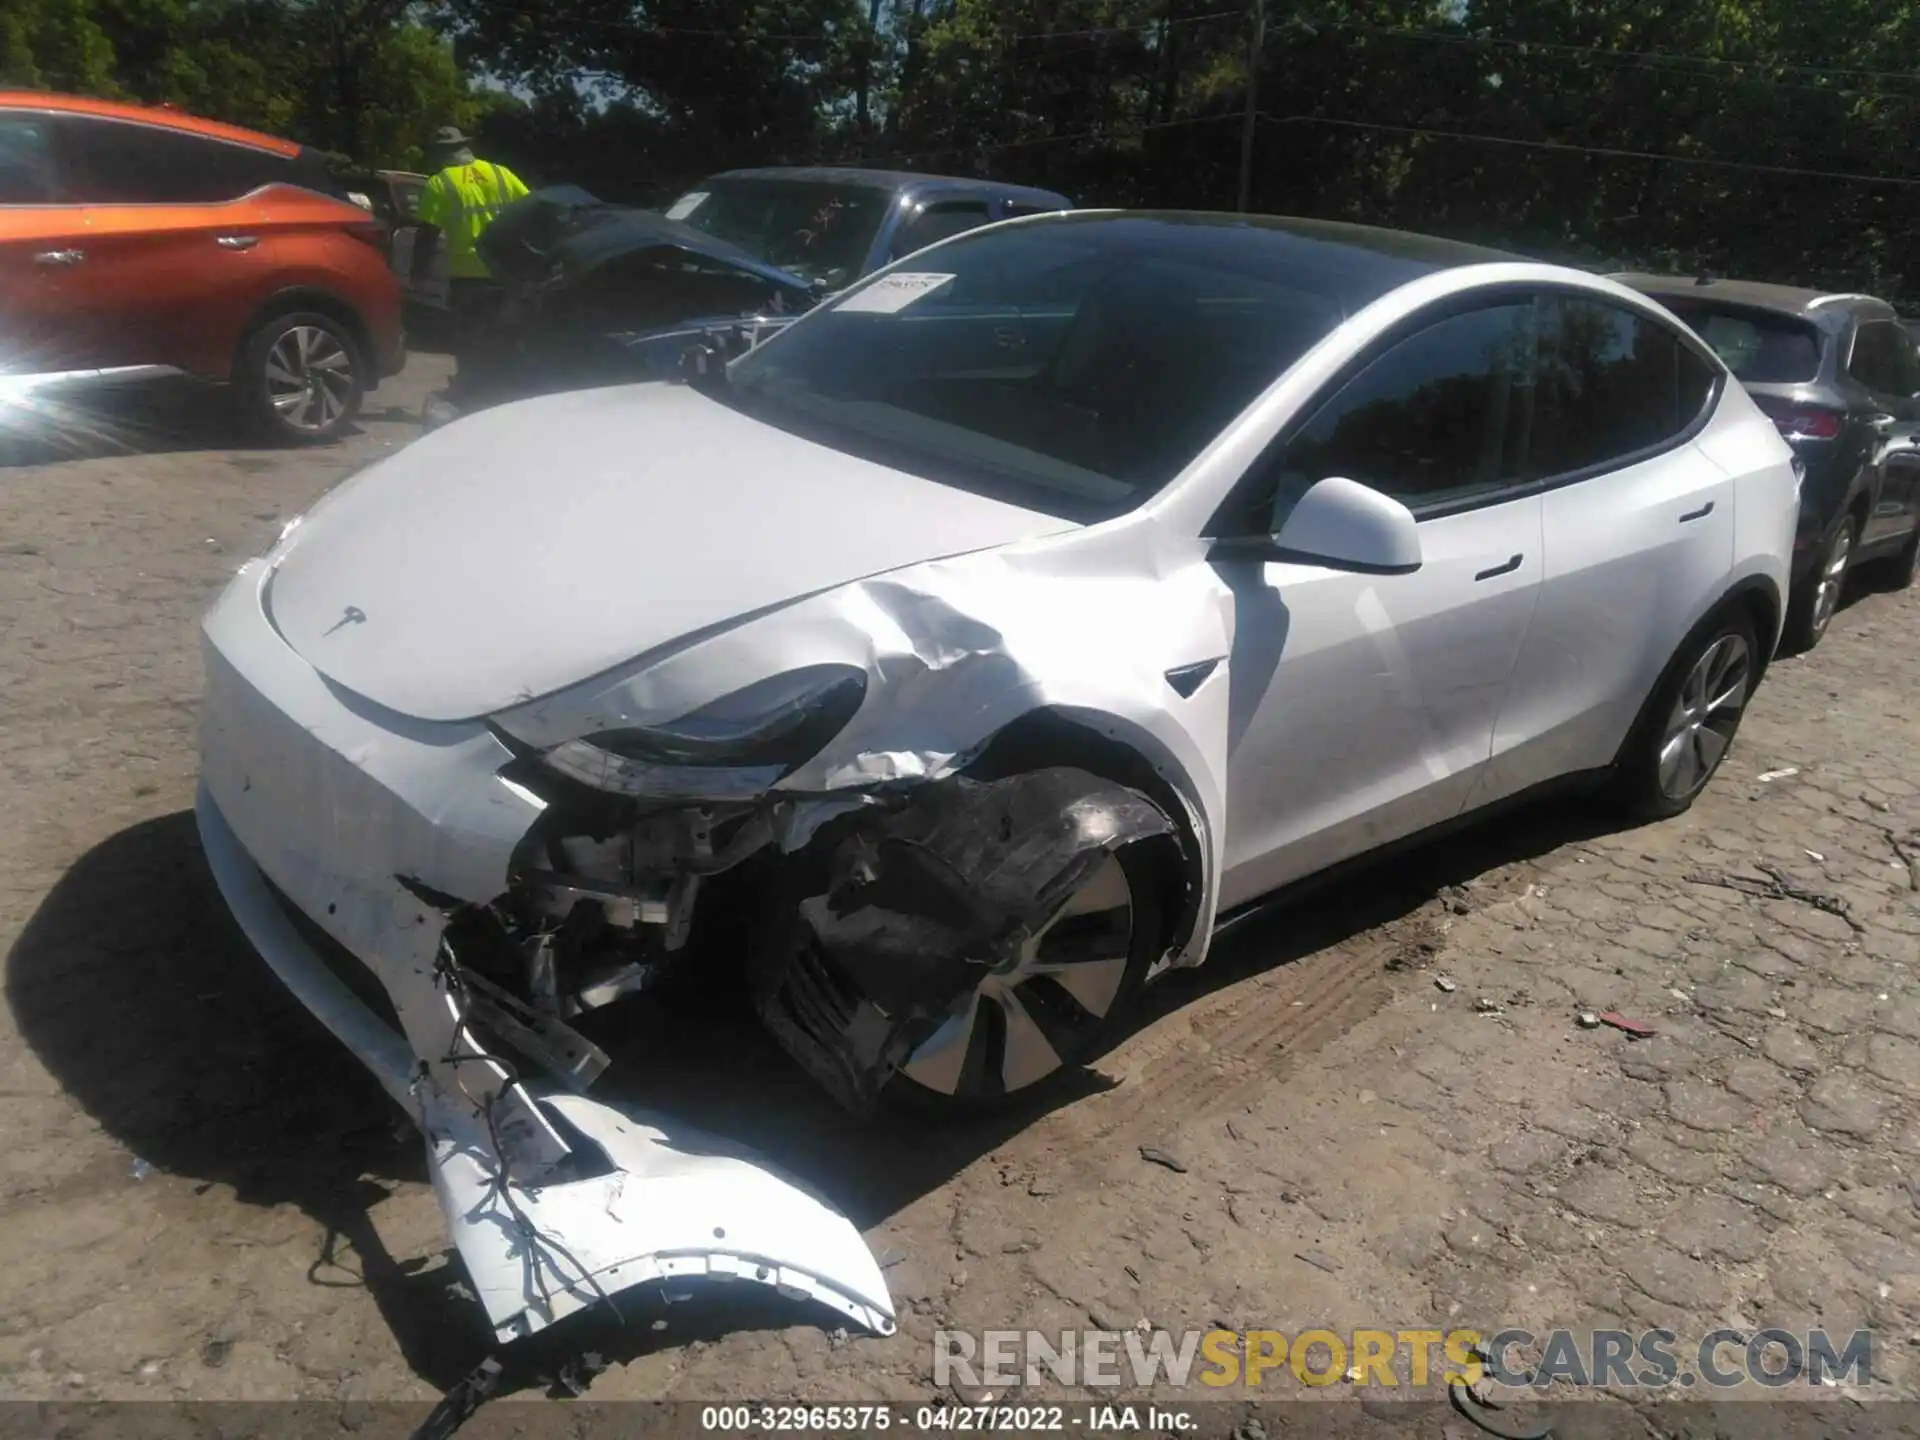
(565, 233)
(531, 546)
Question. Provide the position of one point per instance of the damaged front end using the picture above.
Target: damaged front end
(354, 855)
(871, 914)
(602, 294)
(501, 878)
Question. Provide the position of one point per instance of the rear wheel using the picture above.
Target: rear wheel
(1053, 1007)
(1905, 566)
(1814, 604)
(1691, 721)
(301, 378)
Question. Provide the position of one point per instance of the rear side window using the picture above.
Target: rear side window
(26, 160)
(940, 222)
(1760, 349)
(1883, 359)
(406, 198)
(1437, 417)
(1611, 383)
(110, 162)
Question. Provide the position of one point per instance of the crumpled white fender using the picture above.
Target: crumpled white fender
(678, 1205)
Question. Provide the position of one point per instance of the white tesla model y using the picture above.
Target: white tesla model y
(950, 665)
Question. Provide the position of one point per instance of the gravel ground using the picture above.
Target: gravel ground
(1381, 1104)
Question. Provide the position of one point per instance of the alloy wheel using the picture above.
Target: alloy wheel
(309, 378)
(1833, 577)
(1027, 1019)
(1705, 716)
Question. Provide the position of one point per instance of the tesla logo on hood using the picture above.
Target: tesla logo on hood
(352, 615)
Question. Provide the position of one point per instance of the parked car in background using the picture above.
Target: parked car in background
(137, 239)
(1840, 376)
(949, 666)
(396, 200)
(609, 293)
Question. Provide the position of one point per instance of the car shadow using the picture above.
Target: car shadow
(168, 415)
(133, 987)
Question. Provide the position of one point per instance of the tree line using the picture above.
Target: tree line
(1765, 139)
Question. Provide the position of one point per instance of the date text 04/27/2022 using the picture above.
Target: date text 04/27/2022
(981, 1419)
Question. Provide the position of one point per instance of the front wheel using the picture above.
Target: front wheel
(301, 378)
(1690, 723)
(1053, 1008)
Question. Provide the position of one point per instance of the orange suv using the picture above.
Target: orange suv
(134, 238)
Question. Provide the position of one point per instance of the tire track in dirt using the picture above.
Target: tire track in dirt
(1287, 984)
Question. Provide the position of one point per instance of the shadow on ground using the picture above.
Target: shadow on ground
(139, 995)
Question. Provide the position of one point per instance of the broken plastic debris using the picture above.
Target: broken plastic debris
(141, 1168)
(1443, 984)
(1587, 1020)
(1631, 1027)
(1788, 773)
(459, 1403)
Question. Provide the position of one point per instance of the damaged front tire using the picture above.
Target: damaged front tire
(1056, 1008)
(962, 949)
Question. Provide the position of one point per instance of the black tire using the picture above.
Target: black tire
(1904, 568)
(1645, 785)
(307, 354)
(1811, 608)
(1075, 1039)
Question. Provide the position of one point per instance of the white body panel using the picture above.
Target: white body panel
(673, 513)
(1634, 558)
(1364, 705)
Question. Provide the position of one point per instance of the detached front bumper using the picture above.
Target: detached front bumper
(363, 821)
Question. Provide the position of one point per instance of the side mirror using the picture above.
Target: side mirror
(1343, 525)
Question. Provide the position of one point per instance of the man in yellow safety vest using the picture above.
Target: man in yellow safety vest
(460, 201)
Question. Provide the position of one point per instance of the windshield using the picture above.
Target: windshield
(1759, 348)
(818, 231)
(1070, 369)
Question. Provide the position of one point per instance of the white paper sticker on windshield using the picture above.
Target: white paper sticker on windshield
(893, 292)
(686, 204)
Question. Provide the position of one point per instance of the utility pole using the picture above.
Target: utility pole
(1255, 41)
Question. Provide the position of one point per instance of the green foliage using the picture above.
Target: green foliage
(362, 77)
(1757, 137)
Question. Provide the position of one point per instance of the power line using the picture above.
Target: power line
(1136, 132)
(1422, 131)
(1652, 58)
(642, 29)
(1609, 151)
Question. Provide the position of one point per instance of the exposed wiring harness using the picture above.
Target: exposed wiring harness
(540, 1246)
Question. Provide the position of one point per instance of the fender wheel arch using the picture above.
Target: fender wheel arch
(295, 298)
(1759, 598)
(1045, 737)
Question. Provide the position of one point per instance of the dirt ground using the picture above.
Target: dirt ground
(202, 1196)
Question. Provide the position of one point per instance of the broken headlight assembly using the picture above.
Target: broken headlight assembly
(733, 748)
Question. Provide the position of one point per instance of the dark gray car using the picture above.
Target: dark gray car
(1840, 377)
(604, 294)
(834, 224)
